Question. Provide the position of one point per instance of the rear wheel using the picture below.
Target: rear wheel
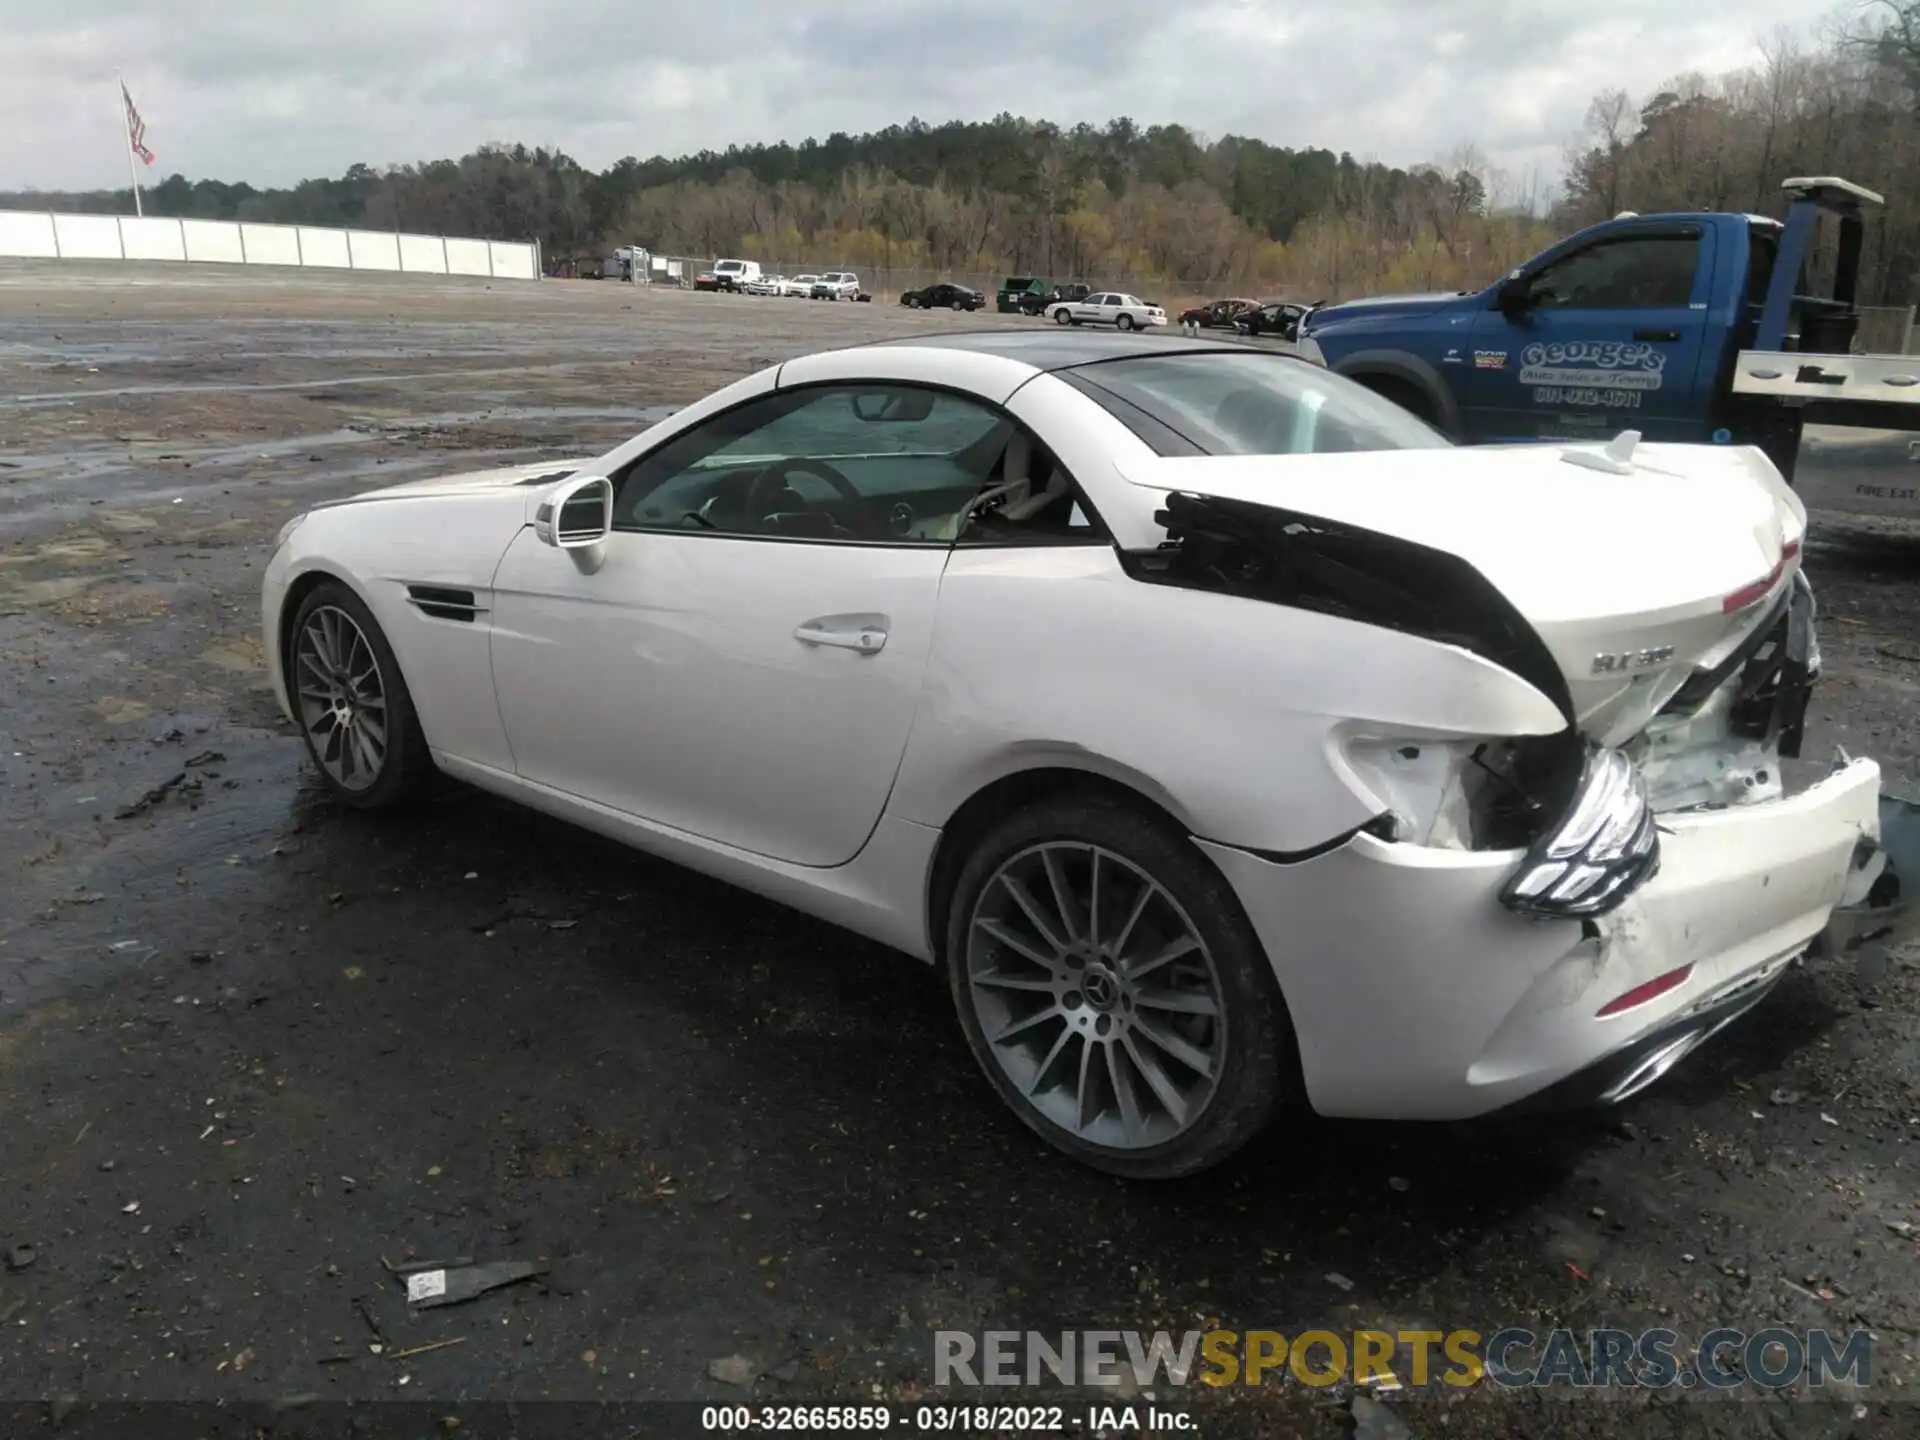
(356, 715)
(1124, 322)
(1113, 992)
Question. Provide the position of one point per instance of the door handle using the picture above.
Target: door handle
(865, 633)
(1657, 335)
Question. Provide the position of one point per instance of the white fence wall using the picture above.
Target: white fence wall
(37, 235)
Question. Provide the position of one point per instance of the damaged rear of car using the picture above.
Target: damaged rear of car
(1527, 918)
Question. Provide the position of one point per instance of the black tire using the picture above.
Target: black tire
(1061, 317)
(1405, 394)
(1123, 321)
(1259, 1070)
(408, 767)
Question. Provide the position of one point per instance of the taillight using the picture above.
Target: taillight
(1756, 592)
(1640, 994)
(1603, 847)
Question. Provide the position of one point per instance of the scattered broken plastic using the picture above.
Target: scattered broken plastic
(450, 1285)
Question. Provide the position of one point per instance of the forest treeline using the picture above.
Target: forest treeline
(1130, 204)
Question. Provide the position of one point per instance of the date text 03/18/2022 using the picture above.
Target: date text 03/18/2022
(1107, 1418)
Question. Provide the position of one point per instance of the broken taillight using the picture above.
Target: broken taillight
(1759, 590)
(1603, 847)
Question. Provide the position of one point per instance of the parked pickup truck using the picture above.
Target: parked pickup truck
(1691, 327)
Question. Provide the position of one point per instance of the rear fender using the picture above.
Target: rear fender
(1284, 557)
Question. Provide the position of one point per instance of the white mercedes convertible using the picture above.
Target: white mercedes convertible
(1229, 738)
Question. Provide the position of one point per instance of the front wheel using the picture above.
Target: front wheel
(356, 714)
(1112, 990)
(1061, 317)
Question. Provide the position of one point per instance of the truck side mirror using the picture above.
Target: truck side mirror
(1515, 293)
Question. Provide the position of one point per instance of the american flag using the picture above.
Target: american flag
(136, 128)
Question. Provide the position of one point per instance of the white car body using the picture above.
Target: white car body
(1109, 307)
(802, 285)
(768, 285)
(810, 715)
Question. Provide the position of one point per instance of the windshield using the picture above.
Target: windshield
(1223, 403)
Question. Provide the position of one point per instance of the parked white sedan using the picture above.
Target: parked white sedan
(1109, 307)
(1228, 737)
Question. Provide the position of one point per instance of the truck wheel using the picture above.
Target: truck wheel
(1405, 394)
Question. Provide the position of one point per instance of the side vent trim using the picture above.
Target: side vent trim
(443, 603)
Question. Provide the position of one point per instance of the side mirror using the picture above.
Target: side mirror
(578, 516)
(1515, 293)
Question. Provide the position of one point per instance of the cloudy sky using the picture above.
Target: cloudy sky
(271, 92)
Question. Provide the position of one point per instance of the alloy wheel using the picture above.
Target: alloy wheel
(343, 700)
(1096, 995)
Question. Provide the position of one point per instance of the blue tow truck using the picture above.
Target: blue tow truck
(1696, 327)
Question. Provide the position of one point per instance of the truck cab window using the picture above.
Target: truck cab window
(1633, 272)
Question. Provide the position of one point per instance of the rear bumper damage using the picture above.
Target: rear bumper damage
(1417, 995)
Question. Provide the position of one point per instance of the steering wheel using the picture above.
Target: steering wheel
(766, 488)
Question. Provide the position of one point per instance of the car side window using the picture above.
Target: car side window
(858, 462)
(1029, 499)
(1632, 272)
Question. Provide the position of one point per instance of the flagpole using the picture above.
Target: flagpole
(126, 129)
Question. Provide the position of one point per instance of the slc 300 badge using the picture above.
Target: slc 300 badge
(1632, 660)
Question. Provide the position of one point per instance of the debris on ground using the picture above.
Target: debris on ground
(1338, 1281)
(1784, 1096)
(427, 1289)
(423, 1349)
(734, 1370)
(155, 796)
(414, 1267)
(1374, 1421)
(20, 1257)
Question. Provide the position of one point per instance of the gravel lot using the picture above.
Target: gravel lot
(251, 1047)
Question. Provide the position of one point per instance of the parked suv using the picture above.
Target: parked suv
(837, 285)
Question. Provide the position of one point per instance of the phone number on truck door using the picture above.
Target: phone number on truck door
(1596, 399)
